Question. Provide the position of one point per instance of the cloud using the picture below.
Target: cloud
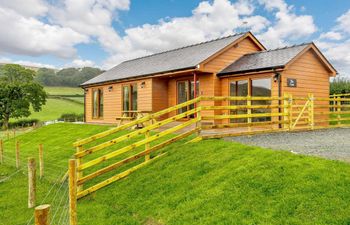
(332, 35)
(26, 63)
(30, 36)
(287, 27)
(209, 20)
(336, 44)
(80, 63)
(30, 8)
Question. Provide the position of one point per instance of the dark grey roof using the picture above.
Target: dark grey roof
(264, 60)
(177, 59)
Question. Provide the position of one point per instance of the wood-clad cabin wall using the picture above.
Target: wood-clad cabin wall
(113, 100)
(312, 77)
(159, 94)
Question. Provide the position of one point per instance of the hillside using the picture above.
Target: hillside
(210, 182)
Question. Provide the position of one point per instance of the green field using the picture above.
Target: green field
(63, 102)
(64, 91)
(209, 182)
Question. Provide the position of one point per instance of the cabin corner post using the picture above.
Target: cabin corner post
(80, 148)
(311, 112)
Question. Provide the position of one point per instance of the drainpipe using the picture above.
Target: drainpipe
(277, 78)
(194, 90)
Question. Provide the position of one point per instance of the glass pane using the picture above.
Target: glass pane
(261, 87)
(182, 94)
(95, 103)
(192, 94)
(239, 88)
(134, 97)
(126, 96)
(101, 103)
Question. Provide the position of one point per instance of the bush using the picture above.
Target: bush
(72, 117)
(22, 123)
(340, 85)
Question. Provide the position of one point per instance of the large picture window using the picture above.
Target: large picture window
(261, 87)
(129, 98)
(251, 87)
(97, 103)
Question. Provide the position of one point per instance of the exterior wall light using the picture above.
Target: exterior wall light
(143, 84)
(110, 88)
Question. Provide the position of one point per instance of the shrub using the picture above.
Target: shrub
(72, 117)
(22, 123)
(340, 85)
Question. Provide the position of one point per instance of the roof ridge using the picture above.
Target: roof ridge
(187, 46)
(280, 48)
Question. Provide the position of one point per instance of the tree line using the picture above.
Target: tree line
(68, 77)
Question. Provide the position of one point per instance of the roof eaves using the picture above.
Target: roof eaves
(250, 70)
(136, 77)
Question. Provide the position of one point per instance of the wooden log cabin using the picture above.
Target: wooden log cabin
(237, 65)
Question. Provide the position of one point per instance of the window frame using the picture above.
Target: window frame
(99, 91)
(130, 90)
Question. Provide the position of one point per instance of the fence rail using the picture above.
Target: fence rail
(208, 117)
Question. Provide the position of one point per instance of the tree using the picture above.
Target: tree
(19, 92)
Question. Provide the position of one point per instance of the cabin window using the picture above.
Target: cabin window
(129, 98)
(262, 88)
(97, 103)
(186, 92)
(239, 88)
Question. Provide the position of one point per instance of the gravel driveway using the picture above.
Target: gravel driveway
(329, 143)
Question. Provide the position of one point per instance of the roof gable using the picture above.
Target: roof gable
(173, 60)
(272, 59)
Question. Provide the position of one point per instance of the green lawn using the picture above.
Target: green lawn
(54, 108)
(64, 90)
(209, 182)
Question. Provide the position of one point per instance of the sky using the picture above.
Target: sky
(103, 33)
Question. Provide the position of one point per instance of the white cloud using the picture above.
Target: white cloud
(28, 8)
(336, 44)
(331, 35)
(344, 22)
(209, 20)
(288, 25)
(80, 63)
(30, 36)
(26, 63)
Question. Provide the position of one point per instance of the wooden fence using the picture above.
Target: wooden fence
(112, 155)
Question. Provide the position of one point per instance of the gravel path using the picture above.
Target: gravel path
(329, 143)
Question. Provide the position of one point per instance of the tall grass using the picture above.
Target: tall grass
(340, 85)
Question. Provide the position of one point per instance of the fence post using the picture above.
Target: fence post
(17, 155)
(1, 151)
(199, 118)
(78, 163)
(338, 109)
(41, 161)
(285, 111)
(31, 182)
(249, 112)
(290, 111)
(311, 111)
(42, 215)
(147, 146)
(72, 192)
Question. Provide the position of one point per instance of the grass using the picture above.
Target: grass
(210, 182)
(64, 90)
(54, 108)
